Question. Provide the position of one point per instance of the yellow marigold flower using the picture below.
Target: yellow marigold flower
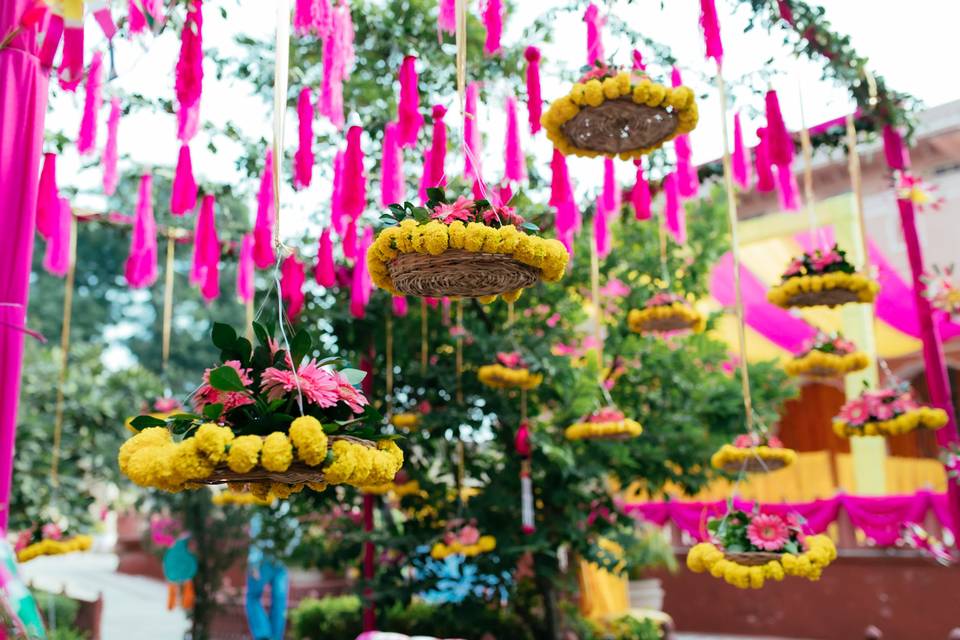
(487, 543)
(578, 94)
(512, 296)
(385, 243)
(611, 88)
(509, 237)
(457, 234)
(244, 453)
(277, 452)
(593, 93)
(475, 236)
(404, 239)
(395, 453)
(282, 490)
(149, 437)
(435, 237)
(680, 98)
(487, 299)
(363, 464)
(189, 463)
(343, 463)
(308, 437)
(642, 91)
(319, 487)
(657, 93)
(212, 441)
(260, 489)
(623, 82)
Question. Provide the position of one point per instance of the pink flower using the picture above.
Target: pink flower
(424, 407)
(23, 540)
(662, 299)
(614, 288)
(774, 442)
(745, 441)
(502, 215)
(855, 412)
(607, 414)
(553, 320)
(877, 408)
(822, 261)
(207, 395)
(319, 386)
(166, 405)
(794, 268)
(469, 535)
(768, 532)
(512, 360)
(795, 521)
(351, 396)
(50, 531)
(460, 210)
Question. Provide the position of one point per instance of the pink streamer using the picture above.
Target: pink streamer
(534, 99)
(779, 142)
(560, 189)
(325, 274)
(336, 196)
(674, 214)
(137, 21)
(600, 235)
(595, 24)
(408, 107)
(354, 189)
(338, 57)
(292, 277)
(741, 156)
(141, 266)
(400, 306)
(765, 180)
(183, 194)
(787, 189)
(514, 168)
(895, 152)
(471, 134)
(567, 223)
(640, 195)
(447, 16)
(711, 30)
(611, 196)
(48, 197)
(688, 182)
(424, 178)
(266, 217)
(362, 285)
(189, 73)
(493, 21)
(245, 269)
(436, 160)
(312, 16)
(110, 155)
(350, 241)
(303, 159)
(638, 63)
(51, 40)
(87, 138)
(56, 259)
(391, 165)
(206, 252)
(71, 64)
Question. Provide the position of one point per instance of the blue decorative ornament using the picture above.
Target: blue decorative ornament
(179, 563)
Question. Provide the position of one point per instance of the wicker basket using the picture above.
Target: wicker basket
(823, 372)
(664, 325)
(619, 125)
(459, 273)
(827, 297)
(752, 558)
(754, 465)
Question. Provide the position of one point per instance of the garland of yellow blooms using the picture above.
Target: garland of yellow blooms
(820, 361)
(782, 294)
(152, 459)
(498, 376)
(731, 456)
(240, 498)
(435, 237)
(585, 430)
(928, 417)
(638, 319)
(50, 547)
(484, 544)
(707, 557)
(595, 92)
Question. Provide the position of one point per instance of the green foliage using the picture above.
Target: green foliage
(67, 633)
(59, 612)
(335, 618)
(651, 549)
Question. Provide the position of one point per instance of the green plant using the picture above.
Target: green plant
(59, 611)
(331, 618)
(651, 549)
(67, 633)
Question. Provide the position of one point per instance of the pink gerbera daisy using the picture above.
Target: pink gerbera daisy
(855, 412)
(460, 210)
(768, 532)
(351, 396)
(319, 386)
(207, 395)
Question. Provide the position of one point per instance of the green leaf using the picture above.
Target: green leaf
(212, 411)
(435, 193)
(242, 348)
(398, 210)
(353, 376)
(226, 379)
(261, 332)
(529, 226)
(421, 214)
(300, 346)
(223, 336)
(143, 422)
(180, 417)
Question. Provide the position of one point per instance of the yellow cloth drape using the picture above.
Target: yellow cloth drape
(903, 475)
(602, 594)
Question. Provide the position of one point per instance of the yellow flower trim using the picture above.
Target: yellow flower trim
(485, 544)
(406, 421)
(708, 558)
(48, 547)
(240, 498)
(819, 363)
(736, 456)
(638, 320)
(152, 459)
(621, 429)
(678, 100)
(434, 237)
(782, 294)
(498, 376)
(924, 417)
(396, 490)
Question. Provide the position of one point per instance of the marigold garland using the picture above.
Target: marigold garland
(923, 417)
(484, 544)
(821, 364)
(760, 458)
(498, 376)
(665, 312)
(607, 84)
(50, 547)
(822, 279)
(707, 557)
(607, 424)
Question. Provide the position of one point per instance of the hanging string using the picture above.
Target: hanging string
(64, 353)
(808, 196)
(167, 306)
(510, 312)
(460, 351)
(248, 308)
(735, 250)
(664, 270)
(388, 338)
(461, 41)
(280, 80)
(598, 309)
(424, 338)
(856, 183)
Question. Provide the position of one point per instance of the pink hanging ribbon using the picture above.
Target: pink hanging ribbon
(567, 219)
(266, 217)
(391, 166)
(338, 57)
(436, 160)
(206, 252)
(640, 195)
(408, 107)
(103, 16)
(787, 189)
(400, 306)
(688, 182)
(447, 16)
(336, 195)
(534, 99)
(312, 16)
(514, 169)
(610, 196)
(493, 21)
(362, 285)
(303, 159)
(741, 156)
(600, 235)
(189, 73)
(711, 30)
(110, 154)
(48, 197)
(51, 40)
(292, 277)
(638, 63)
(353, 194)
(183, 193)
(779, 141)
(141, 265)
(56, 258)
(765, 179)
(245, 269)
(87, 138)
(674, 214)
(595, 24)
(471, 134)
(325, 273)
(895, 152)
(137, 21)
(71, 63)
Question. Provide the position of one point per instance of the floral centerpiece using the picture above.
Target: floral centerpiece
(747, 549)
(268, 420)
(827, 356)
(665, 311)
(608, 423)
(822, 278)
(465, 248)
(509, 372)
(887, 412)
(753, 452)
(618, 113)
(48, 539)
(467, 541)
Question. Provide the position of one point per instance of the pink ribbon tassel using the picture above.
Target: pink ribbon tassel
(534, 98)
(780, 147)
(245, 269)
(183, 194)
(292, 277)
(741, 156)
(391, 166)
(71, 64)
(765, 180)
(595, 24)
(362, 286)
(338, 57)
(447, 16)
(674, 214)
(110, 155)
(436, 161)
(640, 195)
(87, 138)
(56, 259)
(354, 189)
(408, 107)
(400, 306)
(471, 134)
(141, 266)
(514, 167)
(336, 196)
(266, 217)
(711, 30)
(189, 72)
(325, 274)
(206, 252)
(303, 159)
(51, 40)
(48, 197)
(493, 21)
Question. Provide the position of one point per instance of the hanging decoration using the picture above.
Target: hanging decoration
(292, 277)
(110, 156)
(514, 164)
(189, 73)
(338, 59)
(741, 156)
(183, 192)
(56, 258)
(595, 23)
(447, 16)
(711, 31)
(263, 227)
(392, 183)
(615, 113)
(765, 179)
(640, 194)
(243, 394)
(141, 266)
(608, 423)
(205, 273)
(471, 135)
(534, 99)
(753, 548)
(313, 16)
(139, 20)
(562, 199)
(509, 372)
(303, 158)
(353, 190)
(493, 22)
(466, 248)
(887, 412)
(674, 213)
(780, 151)
(822, 278)
(525, 451)
(466, 541)
(48, 197)
(409, 118)
(87, 138)
(48, 539)
(362, 287)
(666, 312)
(756, 452)
(325, 274)
(436, 158)
(245, 269)
(827, 356)
(688, 183)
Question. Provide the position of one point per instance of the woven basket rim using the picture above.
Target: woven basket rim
(610, 122)
(752, 558)
(753, 465)
(460, 273)
(828, 298)
(664, 325)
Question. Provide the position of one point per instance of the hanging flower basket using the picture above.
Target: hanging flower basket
(751, 548)
(822, 279)
(406, 421)
(606, 424)
(465, 542)
(48, 540)
(665, 312)
(464, 249)
(753, 453)
(618, 114)
(244, 435)
(827, 357)
(887, 412)
(509, 373)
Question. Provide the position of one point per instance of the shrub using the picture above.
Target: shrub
(333, 618)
